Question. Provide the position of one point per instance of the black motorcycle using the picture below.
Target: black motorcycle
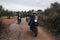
(35, 31)
(26, 20)
(19, 20)
(33, 28)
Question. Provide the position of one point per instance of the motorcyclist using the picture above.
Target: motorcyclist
(27, 18)
(33, 22)
(19, 18)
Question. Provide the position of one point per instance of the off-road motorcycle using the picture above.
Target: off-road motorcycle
(19, 20)
(34, 29)
(27, 19)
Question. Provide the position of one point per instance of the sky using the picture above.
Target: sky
(22, 5)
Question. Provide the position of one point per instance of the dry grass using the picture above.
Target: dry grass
(8, 21)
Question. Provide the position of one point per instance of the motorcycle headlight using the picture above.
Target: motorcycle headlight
(35, 20)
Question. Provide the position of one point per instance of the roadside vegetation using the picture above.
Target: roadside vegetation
(50, 18)
(2, 25)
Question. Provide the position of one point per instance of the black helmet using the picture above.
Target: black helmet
(34, 12)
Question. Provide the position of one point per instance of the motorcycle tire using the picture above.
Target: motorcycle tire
(35, 32)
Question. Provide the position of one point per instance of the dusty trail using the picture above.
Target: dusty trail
(22, 32)
(11, 33)
(26, 34)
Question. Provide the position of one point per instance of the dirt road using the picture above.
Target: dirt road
(26, 34)
(22, 32)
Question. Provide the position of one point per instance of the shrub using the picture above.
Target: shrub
(2, 25)
(53, 24)
(41, 23)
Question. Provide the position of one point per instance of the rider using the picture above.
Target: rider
(27, 18)
(19, 18)
(33, 21)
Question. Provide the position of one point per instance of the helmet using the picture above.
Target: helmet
(34, 12)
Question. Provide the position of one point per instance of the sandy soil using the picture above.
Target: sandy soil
(22, 32)
(26, 34)
(8, 21)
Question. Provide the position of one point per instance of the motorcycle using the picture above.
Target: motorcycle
(33, 28)
(27, 19)
(19, 20)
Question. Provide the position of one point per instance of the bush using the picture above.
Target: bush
(53, 24)
(41, 23)
(2, 25)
